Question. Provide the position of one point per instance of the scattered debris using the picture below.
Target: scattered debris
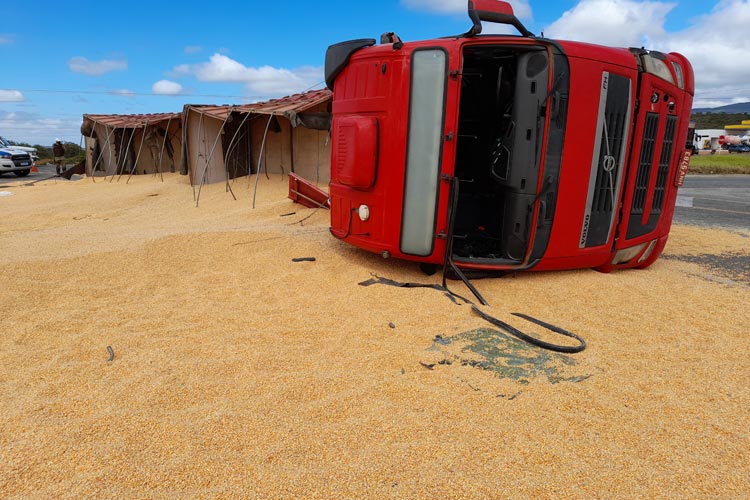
(452, 298)
(253, 241)
(533, 340)
(379, 280)
(303, 259)
(79, 168)
(429, 366)
(288, 214)
(111, 353)
(5, 193)
(306, 193)
(442, 340)
(509, 397)
(392, 325)
(507, 357)
(403, 372)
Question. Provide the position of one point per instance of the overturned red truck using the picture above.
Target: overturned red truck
(500, 153)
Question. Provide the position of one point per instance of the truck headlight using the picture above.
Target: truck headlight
(678, 72)
(657, 67)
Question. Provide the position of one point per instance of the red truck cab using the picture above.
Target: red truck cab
(502, 152)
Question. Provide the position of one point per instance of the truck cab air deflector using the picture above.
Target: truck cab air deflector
(337, 57)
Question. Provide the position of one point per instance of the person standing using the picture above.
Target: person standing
(58, 151)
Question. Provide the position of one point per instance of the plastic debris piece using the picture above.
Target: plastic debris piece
(303, 259)
(442, 340)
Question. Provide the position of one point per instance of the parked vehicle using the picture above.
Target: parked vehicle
(499, 153)
(16, 161)
(32, 151)
(738, 148)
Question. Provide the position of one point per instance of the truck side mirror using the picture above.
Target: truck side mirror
(495, 11)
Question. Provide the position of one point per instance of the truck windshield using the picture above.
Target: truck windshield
(426, 114)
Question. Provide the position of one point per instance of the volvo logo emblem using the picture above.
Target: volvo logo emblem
(608, 164)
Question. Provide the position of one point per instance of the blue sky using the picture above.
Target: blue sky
(62, 61)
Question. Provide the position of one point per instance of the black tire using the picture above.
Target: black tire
(22, 173)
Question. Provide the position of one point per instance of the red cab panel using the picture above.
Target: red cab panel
(355, 158)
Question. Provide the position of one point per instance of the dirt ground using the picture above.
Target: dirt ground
(238, 373)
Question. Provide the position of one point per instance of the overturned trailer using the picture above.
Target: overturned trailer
(277, 136)
(132, 144)
(498, 153)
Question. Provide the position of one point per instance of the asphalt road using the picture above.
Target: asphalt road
(714, 201)
(10, 179)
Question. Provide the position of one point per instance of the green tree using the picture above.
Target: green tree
(73, 152)
(44, 152)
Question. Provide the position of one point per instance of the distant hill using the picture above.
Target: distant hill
(718, 120)
(740, 107)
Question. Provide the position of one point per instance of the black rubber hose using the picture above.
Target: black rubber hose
(532, 340)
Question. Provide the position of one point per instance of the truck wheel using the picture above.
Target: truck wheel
(22, 173)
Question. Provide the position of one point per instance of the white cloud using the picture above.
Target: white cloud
(716, 46)
(521, 8)
(264, 80)
(96, 68)
(714, 43)
(6, 38)
(11, 96)
(192, 49)
(37, 129)
(124, 92)
(166, 87)
(180, 70)
(620, 23)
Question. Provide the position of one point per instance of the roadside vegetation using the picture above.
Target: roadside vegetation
(73, 152)
(717, 120)
(736, 163)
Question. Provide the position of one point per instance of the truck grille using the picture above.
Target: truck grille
(644, 163)
(615, 120)
(608, 161)
(664, 161)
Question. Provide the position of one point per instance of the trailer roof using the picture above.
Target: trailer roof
(130, 121)
(284, 106)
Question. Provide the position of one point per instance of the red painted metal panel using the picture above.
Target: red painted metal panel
(356, 157)
(376, 84)
(306, 193)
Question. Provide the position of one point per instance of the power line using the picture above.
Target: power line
(122, 93)
(127, 93)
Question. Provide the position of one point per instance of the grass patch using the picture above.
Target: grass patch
(733, 163)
